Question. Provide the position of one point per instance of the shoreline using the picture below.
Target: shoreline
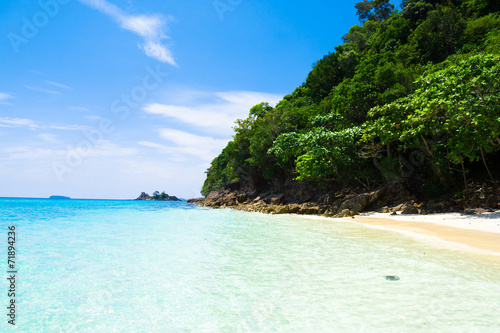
(478, 232)
(473, 228)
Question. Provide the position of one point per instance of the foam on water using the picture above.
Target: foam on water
(128, 266)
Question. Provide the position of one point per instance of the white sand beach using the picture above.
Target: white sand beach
(480, 231)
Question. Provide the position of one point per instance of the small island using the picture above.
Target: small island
(157, 196)
(59, 197)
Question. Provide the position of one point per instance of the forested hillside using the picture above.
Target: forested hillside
(411, 96)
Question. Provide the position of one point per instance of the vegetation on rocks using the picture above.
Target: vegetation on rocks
(157, 196)
(412, 96)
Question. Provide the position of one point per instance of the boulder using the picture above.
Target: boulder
(242, 198)
(346, 213)
(276, 199)
(409, 209)
(359, 203)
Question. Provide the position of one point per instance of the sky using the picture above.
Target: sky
(110, 98)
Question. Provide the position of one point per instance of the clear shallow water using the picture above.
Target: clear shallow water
(127, 266)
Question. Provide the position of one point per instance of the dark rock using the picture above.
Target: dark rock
(157, 197)
(242, 198)
(214, 194)
(468, 211)
(260, 203)
(359, 203)
(409, 209)
(251, 194)
(346, 213)
(257, 199)
(234, 185)
(392, 278)
(326, 199)
(276, 199)
(143, 196)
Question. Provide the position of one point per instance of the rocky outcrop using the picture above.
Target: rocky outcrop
(301, 201)
(313, 199)
(357, 204)
(157, 197)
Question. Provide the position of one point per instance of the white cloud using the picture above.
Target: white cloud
(17, 122)
(68, 127)
(105, 148)
(182, 143)
(47, 137)
(217, 112)
(43, 90)
(185, 139)
(149, 27)
(20, 122)
(59, 85)
(4, 97)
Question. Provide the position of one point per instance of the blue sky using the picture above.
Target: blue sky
(108, 98)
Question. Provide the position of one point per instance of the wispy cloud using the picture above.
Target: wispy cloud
(103, 148)
(47, 137)
(59, 85)
(67, 127)
(17, 122)
(78, 108)
(20, 122)
(217, 112)
(203, 148)
(4, 97)
(150, 27)
(43, 90)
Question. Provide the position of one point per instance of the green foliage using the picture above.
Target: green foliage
(331, 70)
(492, 42)
(440, 35)
(320, 152)
(416, 12)
(377, 10)
(477, 8)
(478, 29)
(425, 79)
(459, 103)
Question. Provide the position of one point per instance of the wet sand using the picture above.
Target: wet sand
(480, 232)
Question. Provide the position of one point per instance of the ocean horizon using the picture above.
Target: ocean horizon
(150, 266)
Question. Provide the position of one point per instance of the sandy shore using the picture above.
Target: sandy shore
(480, 231)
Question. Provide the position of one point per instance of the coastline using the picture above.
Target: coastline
(392, 207)
(479, 232)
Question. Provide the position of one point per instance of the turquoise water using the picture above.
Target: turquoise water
(128, 266)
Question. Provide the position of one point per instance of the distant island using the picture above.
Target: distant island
(157, 196)
(59, 197)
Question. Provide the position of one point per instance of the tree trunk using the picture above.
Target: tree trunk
(486, 165)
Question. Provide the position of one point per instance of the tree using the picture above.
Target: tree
(459, 103)
(440, 35)
(376, 10)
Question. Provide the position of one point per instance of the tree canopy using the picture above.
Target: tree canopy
(418, 86)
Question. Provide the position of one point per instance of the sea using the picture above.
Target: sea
(146, 266)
